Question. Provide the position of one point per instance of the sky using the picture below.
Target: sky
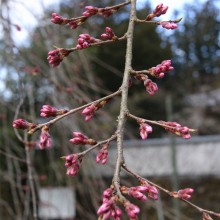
(24, 15)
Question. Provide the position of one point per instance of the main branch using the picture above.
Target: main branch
(124, 98)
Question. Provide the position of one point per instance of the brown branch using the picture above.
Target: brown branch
(141, 179)
(72, 111)
(124, 99)
(100, 43)
(154, 122)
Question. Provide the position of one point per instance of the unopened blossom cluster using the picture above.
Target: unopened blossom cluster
(160, 70)
(90, 110)
(72, 162)
(176, 128)
(73, 23)
(157, 12)
(116, 195)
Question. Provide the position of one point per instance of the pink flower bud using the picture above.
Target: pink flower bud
(56, 56)
(109, 34)
(107, 193)
(145, 129)
(22, 124)
(73, 163)
(89, 112)
(84, 41)
(57, 19)
(160, 69)
(136, 193)
(177, 129)
(131, 209)
(168, 25)
(106, 12)
(185, 193)
(79, 138)
(151, 87)
(45, 139)
(160, 10)
(48, 111)
(106, 206)
(102, 156)
(152, 192)
(89, 11)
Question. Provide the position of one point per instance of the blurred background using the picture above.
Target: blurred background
(189, 95)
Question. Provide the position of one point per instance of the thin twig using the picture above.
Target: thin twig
(72, 111)
(199, 209)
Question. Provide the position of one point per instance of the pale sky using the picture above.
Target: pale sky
(26, 12)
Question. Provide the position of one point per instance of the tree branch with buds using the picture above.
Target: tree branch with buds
(117, 194)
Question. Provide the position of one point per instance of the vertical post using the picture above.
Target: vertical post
(169, 114)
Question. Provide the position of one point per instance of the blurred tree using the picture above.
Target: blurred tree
(197, 48)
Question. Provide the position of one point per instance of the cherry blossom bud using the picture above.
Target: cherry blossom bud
(45, 139)
(137, 193)
(80, 138)
(170, 25)
(57, 19)
(22, 124)
(160, 10)
(89, 11)
(85, 40)
(89, 112)
(106, 206)
(151, 87)
(102, 156)
(177, 129)
(73, 163)
(55, 57)
(107, 193)
(132, 210)
(109, 34)
(152, 192)
(48, 111)
(185, 193)
(160, 69)
(107, 12)
(145, 129)
(108, 209)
